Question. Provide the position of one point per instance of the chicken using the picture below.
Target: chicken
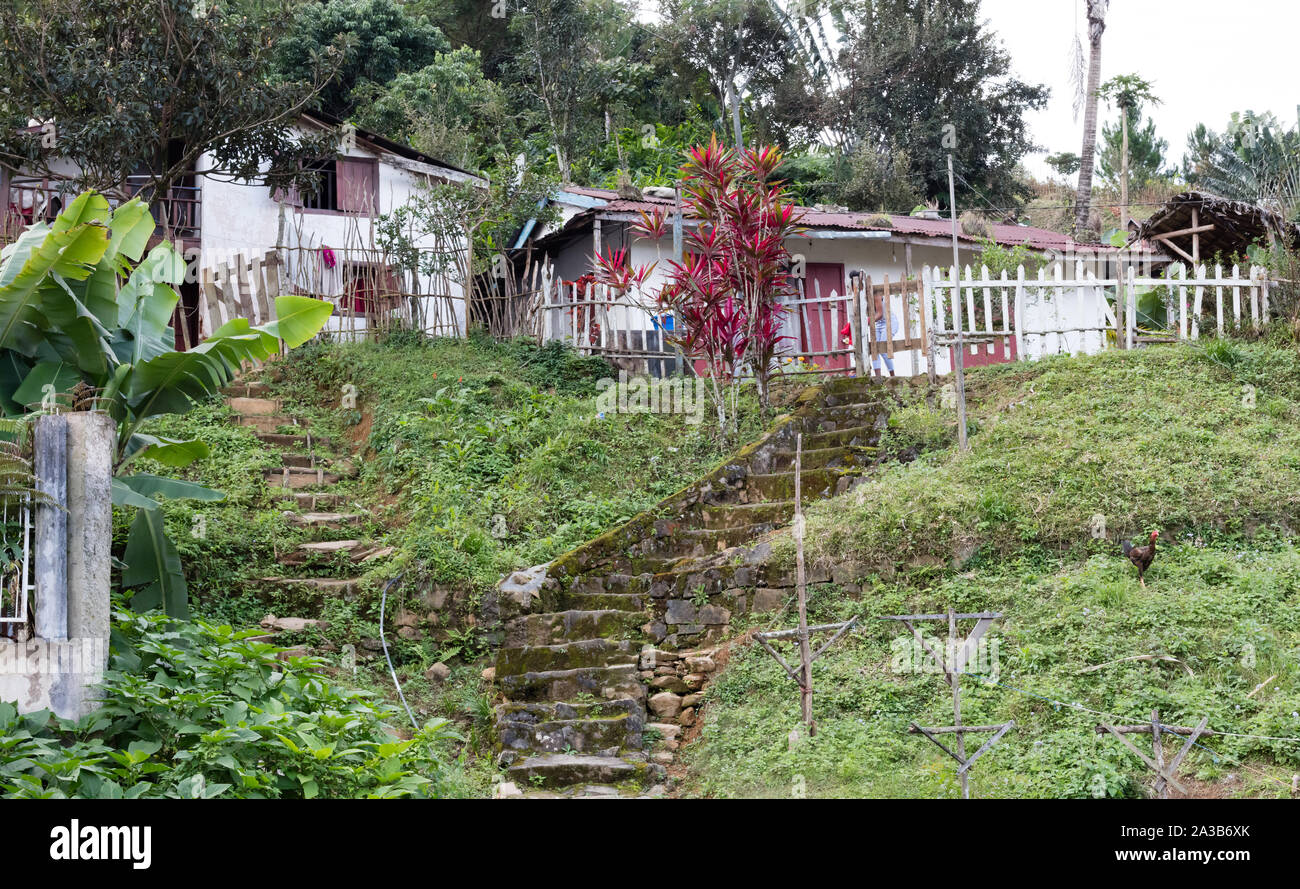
(1142, 556)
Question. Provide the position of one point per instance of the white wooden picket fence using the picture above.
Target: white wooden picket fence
(913, 324)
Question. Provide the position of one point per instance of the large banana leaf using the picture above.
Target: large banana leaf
(48, 373)
(298, 319)
(152, 562)
(148, 485)
(39, 252)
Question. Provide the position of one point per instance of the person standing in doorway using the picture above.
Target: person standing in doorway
(877, 317)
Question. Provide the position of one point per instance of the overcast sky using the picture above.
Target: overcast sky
(1205, 60)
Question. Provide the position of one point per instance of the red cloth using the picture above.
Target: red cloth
(846, 332)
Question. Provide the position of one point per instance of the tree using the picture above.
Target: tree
(1083, 205)
(568, 62)
(1065, 163)
(1128, 92)
(881, 179)
(927, 79)
(1254, 159)
(1146, 152)
(143, 88)
(743, 51)
(726, 293)
(448, 109)
(376, 40)
(81, 305)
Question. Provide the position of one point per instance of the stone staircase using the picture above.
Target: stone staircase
(307, 485)
(606, 650)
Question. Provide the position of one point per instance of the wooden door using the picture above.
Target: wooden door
(821, 322)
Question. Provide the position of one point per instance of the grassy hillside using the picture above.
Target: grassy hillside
(1165, 439)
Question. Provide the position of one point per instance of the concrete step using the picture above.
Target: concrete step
(606, 682)
(247, 390)
(565, 769)
(323, 519)
(312, 501)
(565, 656)
(254, 407)
(269, 423)
(279, 440)
(560, 626)
(292, 477)
(332, 587)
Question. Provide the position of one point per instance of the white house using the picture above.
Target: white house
(326, 243)
(833, 245)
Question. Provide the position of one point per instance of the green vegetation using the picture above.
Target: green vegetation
(198, 710)
(1164, 439)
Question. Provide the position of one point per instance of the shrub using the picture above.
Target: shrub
(192, 709)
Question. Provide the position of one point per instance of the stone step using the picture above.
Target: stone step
(638, 590)
(565, 769)
(355, 550)
(269, 423)
(846, 417)
(779, 486)
(856, 436)
(702, 541)
(339, 465)
(254, 407)
(323, 519)
(323, 586)
(296, 477)
(558, 626)
(608, 683)
(732, 515)
(817, 458)
(279, 440)
(626, 603)
(564, 656)
(526, 733)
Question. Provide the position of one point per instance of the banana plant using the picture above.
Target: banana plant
(82, 302)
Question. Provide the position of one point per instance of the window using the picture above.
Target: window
(343, 185)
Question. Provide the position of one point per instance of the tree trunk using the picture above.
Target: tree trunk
(1096, 24)
(733, 99)
(1123, 172)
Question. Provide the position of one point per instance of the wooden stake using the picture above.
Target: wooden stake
(801, 591)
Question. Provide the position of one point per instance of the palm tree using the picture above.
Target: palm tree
(1128, 92)
(1096, 25)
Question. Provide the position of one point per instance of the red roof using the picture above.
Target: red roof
(1003, 233)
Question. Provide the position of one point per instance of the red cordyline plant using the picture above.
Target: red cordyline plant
(726, 293)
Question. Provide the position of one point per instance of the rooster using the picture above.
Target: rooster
(1141, 556)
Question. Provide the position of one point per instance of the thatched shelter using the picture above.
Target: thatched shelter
(1196, 225)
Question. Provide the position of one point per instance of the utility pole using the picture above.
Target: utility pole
(959, 357)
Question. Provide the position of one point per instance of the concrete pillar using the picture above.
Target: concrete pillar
(91, 438)
(50, 465)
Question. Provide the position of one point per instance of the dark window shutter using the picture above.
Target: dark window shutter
(358, 185)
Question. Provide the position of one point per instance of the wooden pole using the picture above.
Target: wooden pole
(959, 349)
(956, 700)
(805, 654)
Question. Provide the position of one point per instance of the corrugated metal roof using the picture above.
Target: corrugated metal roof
(1009, 235)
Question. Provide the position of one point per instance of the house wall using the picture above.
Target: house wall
(243, 218)
(1045, 309)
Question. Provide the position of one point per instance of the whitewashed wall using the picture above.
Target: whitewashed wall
(241, 217)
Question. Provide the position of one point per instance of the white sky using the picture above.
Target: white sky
(1205, 60)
